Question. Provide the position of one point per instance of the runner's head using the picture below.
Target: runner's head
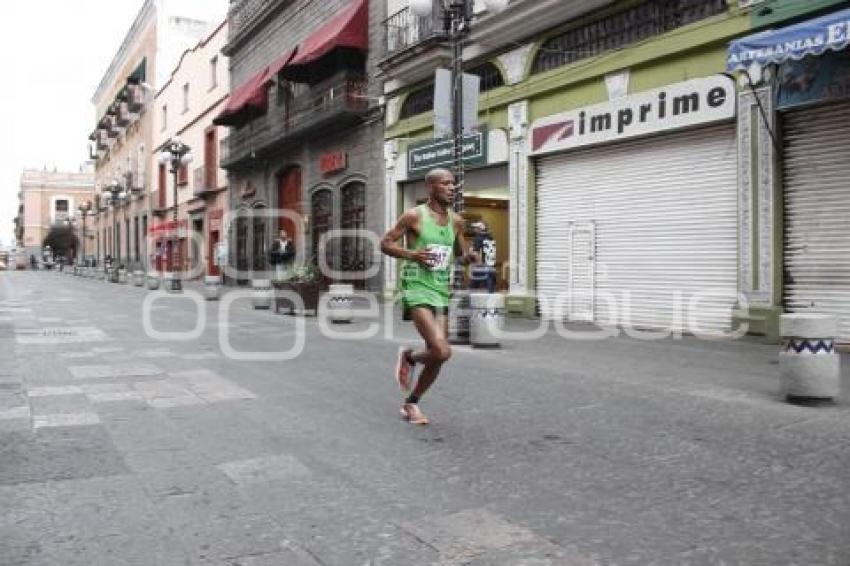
(440, 185)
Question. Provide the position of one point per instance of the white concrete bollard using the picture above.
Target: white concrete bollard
(122, 277)
(339, 303)
(487, 316)
(262, 293)
(212, 288)
(153, 281)
(139, 278)
(810, 367)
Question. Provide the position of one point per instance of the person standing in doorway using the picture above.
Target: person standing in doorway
(433, 236)
(282, 253)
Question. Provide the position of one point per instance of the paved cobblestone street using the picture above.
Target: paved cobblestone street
(118, 448)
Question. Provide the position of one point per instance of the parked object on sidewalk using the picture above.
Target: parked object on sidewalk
(212, 288)
(809, 364)
(262, 293)
(487, 317)
(168, 283)
(459, 317)
(338, 301)
(153, 281)
(122, 276)
(139, 278)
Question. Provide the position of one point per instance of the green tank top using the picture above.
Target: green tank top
(421, 285)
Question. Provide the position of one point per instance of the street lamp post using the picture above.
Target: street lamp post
(177, 154)
(84, 209)
(457, 22)
(116, 195)
(458, 16)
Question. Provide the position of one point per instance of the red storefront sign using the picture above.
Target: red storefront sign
(169, 228)
(333, 162)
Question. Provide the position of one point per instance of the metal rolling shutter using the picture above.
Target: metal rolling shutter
(664, 213)
(817, 212)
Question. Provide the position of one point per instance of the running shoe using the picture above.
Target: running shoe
(403, 369)
(411, 413)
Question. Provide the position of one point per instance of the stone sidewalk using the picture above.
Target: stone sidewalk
(116, 448)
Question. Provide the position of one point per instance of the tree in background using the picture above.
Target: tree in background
(62, 241)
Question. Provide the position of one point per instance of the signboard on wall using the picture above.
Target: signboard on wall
(676, 106)
(814, 79)
(427, 155)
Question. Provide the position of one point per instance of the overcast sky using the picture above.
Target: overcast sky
(53, 54)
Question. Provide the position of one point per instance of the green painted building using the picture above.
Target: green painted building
(629, 179)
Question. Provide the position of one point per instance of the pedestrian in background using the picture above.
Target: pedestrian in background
(484, 272)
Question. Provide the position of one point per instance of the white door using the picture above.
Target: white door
(817, 212)
(582, 272)
(664, 211)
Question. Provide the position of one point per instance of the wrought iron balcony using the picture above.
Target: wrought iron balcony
(122, 115)
(156, 208)
(135, 98)
(336, 103)
(404, 29)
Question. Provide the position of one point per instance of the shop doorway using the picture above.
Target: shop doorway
(494, 213)
(289, 198)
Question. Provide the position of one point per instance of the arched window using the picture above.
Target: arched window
(321, 218)
(353, 252)
(491, 76)
(418, 102)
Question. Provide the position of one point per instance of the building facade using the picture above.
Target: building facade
(196, 91)
(614, 156)
(53, 198)
(794, 192)
(122, 141)
(305, 147)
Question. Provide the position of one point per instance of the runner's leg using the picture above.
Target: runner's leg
(433, 329)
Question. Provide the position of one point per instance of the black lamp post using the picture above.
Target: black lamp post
(457, 23)
(458, 16)
(177, 154)
(84, 209)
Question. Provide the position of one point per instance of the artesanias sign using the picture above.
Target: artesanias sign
(675, 106)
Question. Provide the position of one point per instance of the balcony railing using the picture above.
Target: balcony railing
(135, 98)
(337, 102)
(404, 29)
(122, 115)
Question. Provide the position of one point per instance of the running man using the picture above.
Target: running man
(434, 236)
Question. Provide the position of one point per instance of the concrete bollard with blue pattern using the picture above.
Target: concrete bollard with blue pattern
(810, 366)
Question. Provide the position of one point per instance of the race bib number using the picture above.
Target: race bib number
(439, 256)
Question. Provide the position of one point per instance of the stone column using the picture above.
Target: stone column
(759, 270)
(518, 185)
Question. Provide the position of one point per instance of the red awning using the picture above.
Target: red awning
(280, 63)
(246, 102)
(348, 29)
(251, 99)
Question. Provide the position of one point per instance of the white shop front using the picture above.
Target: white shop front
(636, 209)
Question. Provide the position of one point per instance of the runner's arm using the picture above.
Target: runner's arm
(405, 225)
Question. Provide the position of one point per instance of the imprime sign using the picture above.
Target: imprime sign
(676, 106)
